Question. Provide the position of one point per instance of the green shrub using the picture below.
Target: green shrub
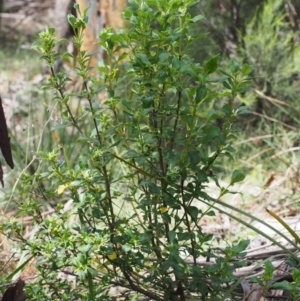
(225, 21)
(138, 185)
(271, 47)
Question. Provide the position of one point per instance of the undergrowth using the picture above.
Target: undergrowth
(125, 186)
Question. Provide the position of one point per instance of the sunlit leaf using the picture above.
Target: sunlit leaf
(112, 256)
(164, 209)
(61, 188)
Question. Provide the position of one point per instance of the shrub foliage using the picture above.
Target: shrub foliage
(148, 152)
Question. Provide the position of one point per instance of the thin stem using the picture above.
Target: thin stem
(139, 289)
(61, 92)
(188, 225)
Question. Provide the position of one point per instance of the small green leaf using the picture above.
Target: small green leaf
(71, 20)
(237, 176)
(240, 247)
(122, 56)
(225, 73)
(243, 110)
(171, 235)
(232, 136)
(194, 158)
(269, 270)
(292, 262)
(92, 271)
(227, 109)
(227, 85)
(126, 248)
(51, 30)
(246, 69)
(142, 57)
(163, 57)
(188, 119)
(211, 133)
(228, 155)
(212, 65)
(166, 217)
(201, 93)
(197, 19)
(43, 154)
(283, 285)
(130, 154)
(184, 236)
(76, 183)
(229, 148)
(296, 276)
(66, 56)
(45, 174)
(213, 114)
(96, 212)
(193, 212)
(234, 67)
(84, 248)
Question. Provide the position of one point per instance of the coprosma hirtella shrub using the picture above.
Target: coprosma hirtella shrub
(149, 148)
